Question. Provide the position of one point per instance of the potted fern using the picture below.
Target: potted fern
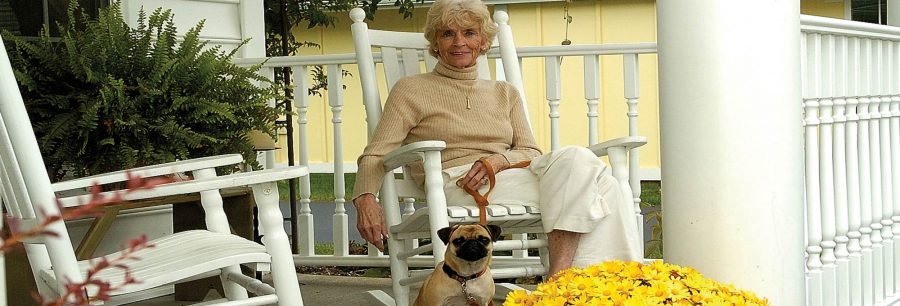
(105, 96)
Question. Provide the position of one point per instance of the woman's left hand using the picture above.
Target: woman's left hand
(477, 175)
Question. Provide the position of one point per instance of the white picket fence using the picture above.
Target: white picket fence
(851, 97)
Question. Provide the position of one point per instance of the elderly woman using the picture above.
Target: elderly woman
(586, 218)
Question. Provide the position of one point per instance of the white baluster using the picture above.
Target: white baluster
(853, 202)
(810, 68)
(340, 224)
(852, 153)
(813, 210)
(592, 95)
(551, 66)
(826, 172)
(840, 172)
(875, 171)
(865, 188)
(632, 92)
(887, 195)
(305, 224)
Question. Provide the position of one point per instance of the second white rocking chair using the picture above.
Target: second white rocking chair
(29, 197)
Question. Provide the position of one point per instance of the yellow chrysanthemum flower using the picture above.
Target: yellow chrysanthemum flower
(606, 289)
(611, 267)
(555, 301)
(518, 298)
(654, 275)
(581, 285)
(616, 283)
(678, 292)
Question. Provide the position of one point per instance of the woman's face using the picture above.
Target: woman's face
(459, 46)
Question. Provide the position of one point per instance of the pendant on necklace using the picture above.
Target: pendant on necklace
(468, 105)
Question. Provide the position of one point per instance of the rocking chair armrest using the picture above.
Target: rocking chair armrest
(410, 153)
(198, 185)
(628, 142)
(150, 171)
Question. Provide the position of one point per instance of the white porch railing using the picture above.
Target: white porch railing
(851, 97)
(590, 55)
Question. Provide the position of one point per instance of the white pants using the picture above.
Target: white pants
(576, 192)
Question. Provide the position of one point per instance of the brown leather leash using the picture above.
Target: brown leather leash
(482, 200)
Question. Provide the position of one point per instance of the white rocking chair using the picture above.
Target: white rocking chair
(30, 198)
(401, 54)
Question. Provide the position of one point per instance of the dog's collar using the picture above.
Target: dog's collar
(462, 279)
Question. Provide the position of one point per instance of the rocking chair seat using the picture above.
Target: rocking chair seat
(513, 218)
(175, 258)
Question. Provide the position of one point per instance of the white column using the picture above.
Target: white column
(731, 136)
(893, 12)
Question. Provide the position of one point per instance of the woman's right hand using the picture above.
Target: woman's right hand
(370, 220)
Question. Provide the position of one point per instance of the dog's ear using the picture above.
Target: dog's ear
(444, 233)
(494, 230)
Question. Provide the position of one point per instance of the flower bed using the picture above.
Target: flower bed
(631, 283)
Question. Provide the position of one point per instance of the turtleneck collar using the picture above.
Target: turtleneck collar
(468, 73)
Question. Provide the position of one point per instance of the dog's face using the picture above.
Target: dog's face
(470, 242)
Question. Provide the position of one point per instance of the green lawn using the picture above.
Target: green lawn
(321, 187)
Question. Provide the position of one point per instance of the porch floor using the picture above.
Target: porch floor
(316, 290)
(320, 290)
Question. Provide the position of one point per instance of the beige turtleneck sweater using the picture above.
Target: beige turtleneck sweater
(432, 106)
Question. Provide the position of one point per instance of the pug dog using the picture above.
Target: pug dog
(464, 277)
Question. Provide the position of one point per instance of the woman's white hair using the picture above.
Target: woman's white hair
(463, 13)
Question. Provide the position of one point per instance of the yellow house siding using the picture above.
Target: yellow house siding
(824, 8)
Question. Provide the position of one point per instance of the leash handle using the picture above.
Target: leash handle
(482, 200)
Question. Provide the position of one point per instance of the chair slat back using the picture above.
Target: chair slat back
(15, 197)
(404, 53)
(21, 157)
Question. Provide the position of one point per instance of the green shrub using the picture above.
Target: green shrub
(106, 97)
